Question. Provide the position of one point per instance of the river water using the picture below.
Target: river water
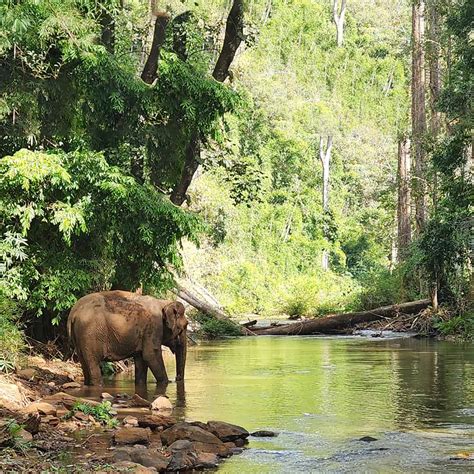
(416, 396)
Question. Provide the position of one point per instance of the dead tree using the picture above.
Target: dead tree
(404, 197)
(338, 17)
(234, 35)
(325, 157)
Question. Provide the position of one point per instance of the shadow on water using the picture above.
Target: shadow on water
(322, 394)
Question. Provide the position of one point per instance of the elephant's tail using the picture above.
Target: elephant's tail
(70, 322)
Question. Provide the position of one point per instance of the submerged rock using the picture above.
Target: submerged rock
(264, 434)
(367, 439)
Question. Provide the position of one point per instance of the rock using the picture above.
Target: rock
(148, 459)
(42, 408)
(10, 396)
(128, 466)
(155, 421)
(367, 439)
(106, 396)
(137, 401)
(32, 423)
(264, 434)
(25, 436)
(207, 461)
(202, 440)
(132, 436)
(79, 415)
(227, 431)
(130, 420)
(70, 385)
(51, 384)
(27, 374)
(183, 456)
(162, 403)
(50, 420)
(240, 442)
(121, 454)
(62, 398)
(236, 450)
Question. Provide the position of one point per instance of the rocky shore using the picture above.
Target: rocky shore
(50, 429)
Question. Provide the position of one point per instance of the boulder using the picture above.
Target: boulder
(137, 401)
(264, 434)
(241, 442)
(227, 431)
(163, 404)
(155, 421)
(62, 398)
(27, 374)
(132, 436)
(69, 385)
(207, 461)
(130, 420)
(42, 408)
(50, 420)
(121, 454)
(106, 396)
(183, 456)
(149, 459)
(202, 440)
(10, 396)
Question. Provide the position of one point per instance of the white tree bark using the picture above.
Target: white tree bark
(338, 17)
(325, 157)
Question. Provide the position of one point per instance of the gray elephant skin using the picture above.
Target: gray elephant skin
(116, 325)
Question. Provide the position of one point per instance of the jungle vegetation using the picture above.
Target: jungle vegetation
(291, 156)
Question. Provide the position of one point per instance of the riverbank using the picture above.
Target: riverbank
(45, 427)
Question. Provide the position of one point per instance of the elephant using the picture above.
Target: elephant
(116, 325)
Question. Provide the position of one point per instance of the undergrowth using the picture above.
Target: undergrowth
(213, 328)
(102, 413)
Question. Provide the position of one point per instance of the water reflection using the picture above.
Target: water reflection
(322, 394)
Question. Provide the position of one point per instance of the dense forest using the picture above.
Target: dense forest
(289, 156)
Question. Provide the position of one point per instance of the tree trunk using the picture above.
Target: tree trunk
(234, 35)
(339, 322)
(338, 17)
(434, 58)
(150, 70)
(199, 303)
(418, 113)
(404, 201)
(325, 157)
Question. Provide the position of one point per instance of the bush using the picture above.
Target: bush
(102, 412)
(461, 325)
(213, 328)
(12, 341)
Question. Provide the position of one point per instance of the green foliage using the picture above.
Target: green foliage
(84, 225)
(102, 412)
(12, 342)
(213, 328)
(460, 325)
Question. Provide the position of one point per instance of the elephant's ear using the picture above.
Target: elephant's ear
(173, 314)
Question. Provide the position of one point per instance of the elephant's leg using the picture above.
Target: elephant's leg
(141, 370)
(91, 369)
(154, 359)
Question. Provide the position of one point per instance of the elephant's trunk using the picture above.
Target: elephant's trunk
(180, 353)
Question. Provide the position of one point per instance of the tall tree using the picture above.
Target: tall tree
(338, 14)
(418, 112)
(325, 157)
(404, 198)
(234, 34)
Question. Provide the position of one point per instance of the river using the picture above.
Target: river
(415, 396)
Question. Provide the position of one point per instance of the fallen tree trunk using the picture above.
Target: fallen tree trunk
(199, 303)
(338, 322)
